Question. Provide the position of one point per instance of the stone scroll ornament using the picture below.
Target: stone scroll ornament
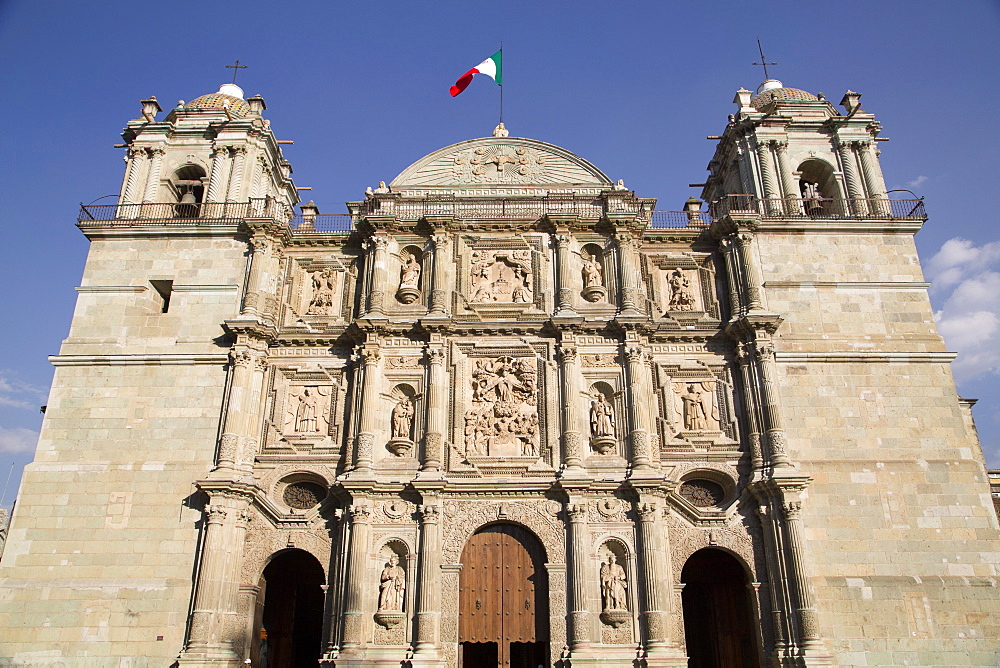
(307, 410)
(323, 284)
(501, 276)
(503, 420)
(392, 585)
(614, 592)
(681, 293)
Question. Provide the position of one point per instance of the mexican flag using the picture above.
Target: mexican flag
(491, 67)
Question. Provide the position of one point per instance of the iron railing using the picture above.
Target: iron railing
(500, 208)
(679, 219)
(322, 223)
(820, 208)
(201, 213)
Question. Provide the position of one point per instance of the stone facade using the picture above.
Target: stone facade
(504, 337)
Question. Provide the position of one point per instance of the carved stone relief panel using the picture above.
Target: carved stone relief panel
(683, 284)
(501, 276)
(503, 420)
(302, 407)
(316, 288)
(696, 404)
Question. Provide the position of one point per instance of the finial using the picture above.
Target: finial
(500, 131)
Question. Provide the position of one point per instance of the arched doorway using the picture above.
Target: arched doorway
(292, 614)
(718, 614)
(503, 617)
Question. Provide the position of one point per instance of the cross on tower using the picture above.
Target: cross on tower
(236, 69)
(762, 62)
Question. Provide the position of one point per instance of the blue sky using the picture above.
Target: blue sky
(362, 88)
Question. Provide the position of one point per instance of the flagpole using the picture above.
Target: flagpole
(501, 84)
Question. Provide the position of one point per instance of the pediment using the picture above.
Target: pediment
(511, 164)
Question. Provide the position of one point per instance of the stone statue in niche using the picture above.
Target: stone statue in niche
(392, 584)
(602, 424)
(501, 276)
(321, 302)
(681, 294)
(614, 592)
(306, 412)
(409, 278)
(592, 274)
(402, 419)
(503, 420)
(698, 407)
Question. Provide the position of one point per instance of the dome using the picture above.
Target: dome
(229, 95)
(773, 90)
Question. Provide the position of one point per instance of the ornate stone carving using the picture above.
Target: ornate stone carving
(307, 409)
(323, 288)
(503, 421)
(501, 276)
(681, 294)
(402, 362)
(614, 592)
(593, 278)
(703, 493)
(392, 584)
(228, 446)
(401, 442)
(303, 495)
(697, 405)
(602, 424)
(409, 278)
(600, 360)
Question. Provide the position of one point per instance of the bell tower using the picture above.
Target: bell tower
(797, 154)
(214, 151)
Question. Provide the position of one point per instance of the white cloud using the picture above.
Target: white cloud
(967, 287)
(917, 182)
(18, 394)
(17, 440)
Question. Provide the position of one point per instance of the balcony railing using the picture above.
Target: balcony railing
(198, 213)
(820, 208)
(680, 219)
(322, 223)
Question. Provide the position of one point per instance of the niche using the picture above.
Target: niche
(410, 269)
(188, 185)
(592, 257)
(401, 418)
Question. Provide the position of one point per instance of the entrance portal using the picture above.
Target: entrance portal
(503, 600)
(288, 634)
(718, 615)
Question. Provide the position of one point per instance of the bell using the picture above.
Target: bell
(188, 198)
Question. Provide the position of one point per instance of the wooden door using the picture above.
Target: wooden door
(503, 596)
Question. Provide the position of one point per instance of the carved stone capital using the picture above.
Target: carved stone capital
(764, 351)
(567, 354)
(563, 240)
(371, 356)
(137, 153)
(241, 357)
(216, 514)
(260, 243)
(440, 241)
(635, 354)
(379, 243)
(157, 151)
(792, 509)
(647, 512)
(435, 355)
(360, 514)
(429, 513)
(576, 512)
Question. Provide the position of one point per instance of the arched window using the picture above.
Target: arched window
(188, 184)
(819, 189)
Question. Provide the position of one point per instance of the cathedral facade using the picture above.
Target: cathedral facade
(504, 412)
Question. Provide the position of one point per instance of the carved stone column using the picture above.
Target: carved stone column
(637, 398)
(153, 178)
(572, 440)
(220, 164)
(655, 583)
(235, 431)
(239, 155)
(751, 270)
(730, 255)
(744, 358)
(806, 607)
(437, 415)
(358, 577)
(772, 404)
(579, 541)
(215, 619)
(378, 253)
(365, 443)
(630, 301)
(130, 191)
(564, 297)
(873, 177)
(850, 168)
(767, 174)
(789, 190)
(253, 303)
(776, 580)
(439, 292)
(429, 597)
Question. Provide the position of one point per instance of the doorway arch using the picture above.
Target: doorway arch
(503, 611)
(288, 626)
(719, 625)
